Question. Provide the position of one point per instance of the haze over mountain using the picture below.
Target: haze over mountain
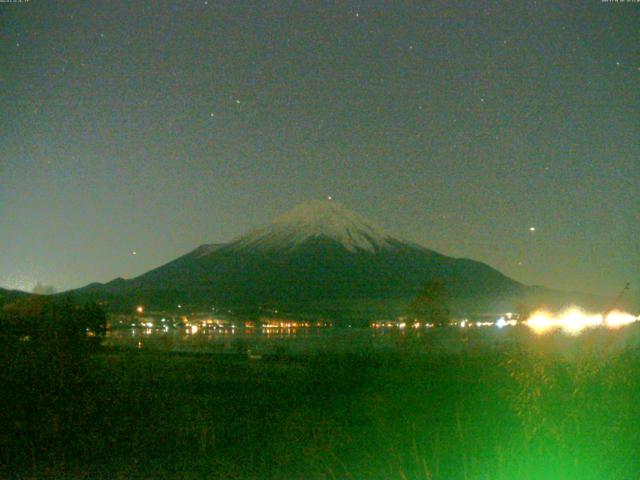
(319, 258)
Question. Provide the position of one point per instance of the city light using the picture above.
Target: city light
(574, 320)
(616, 319)
(140, 309)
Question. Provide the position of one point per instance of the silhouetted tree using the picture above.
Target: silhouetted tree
(42, 320)
(431, 304)
(46, 379)
(523, 311)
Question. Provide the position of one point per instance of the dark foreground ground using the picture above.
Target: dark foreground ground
(503, 413)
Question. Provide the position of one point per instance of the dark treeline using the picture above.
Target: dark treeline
(45, 380)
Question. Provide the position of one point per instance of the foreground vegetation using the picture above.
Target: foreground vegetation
(504, 413)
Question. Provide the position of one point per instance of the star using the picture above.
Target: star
(532, 229)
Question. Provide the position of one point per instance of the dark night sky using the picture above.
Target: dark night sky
(157, 126)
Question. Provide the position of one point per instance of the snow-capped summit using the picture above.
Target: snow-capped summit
(318, 219)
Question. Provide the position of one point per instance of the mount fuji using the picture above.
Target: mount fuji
(319, 258)
(315, 220)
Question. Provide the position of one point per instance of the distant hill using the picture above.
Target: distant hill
(8, 296)
(321, 259)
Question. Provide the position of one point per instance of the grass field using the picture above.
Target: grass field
(511, 412)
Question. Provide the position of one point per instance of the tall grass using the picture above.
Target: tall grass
(515, 410)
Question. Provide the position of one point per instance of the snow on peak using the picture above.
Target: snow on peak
(318, 219)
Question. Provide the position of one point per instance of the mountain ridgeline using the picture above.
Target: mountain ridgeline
(318, 259)
(9, 296)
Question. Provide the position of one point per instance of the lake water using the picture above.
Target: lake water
(450, 340)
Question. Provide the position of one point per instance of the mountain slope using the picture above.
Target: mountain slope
(319, 258)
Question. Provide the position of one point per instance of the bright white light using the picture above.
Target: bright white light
(574, 320)
(501, 322)
(617, 319)
(541, 322)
